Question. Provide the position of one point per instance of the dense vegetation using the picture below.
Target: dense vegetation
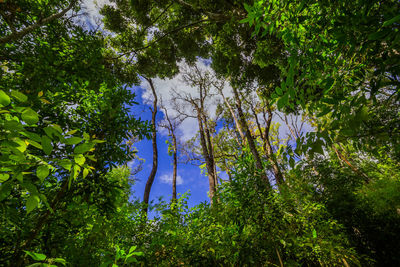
(327, 192)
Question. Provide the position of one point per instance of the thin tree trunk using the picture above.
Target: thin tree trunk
(153, 172)
(209, 164)
(249, 137)
(175, 167)
(171, 129)
(210, 150)
(270, 153)
(237, 124)
(343, 158)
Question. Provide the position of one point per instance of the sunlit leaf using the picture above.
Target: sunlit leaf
(4, 177)
(4, 98)
(30, 116)
(36, 256)
(19, 96)
(79, 159)
(31, 203)
(42, 172)
(73, 140)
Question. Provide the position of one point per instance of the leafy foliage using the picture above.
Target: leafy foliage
(328, 195)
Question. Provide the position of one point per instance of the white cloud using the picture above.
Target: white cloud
(167, 179)
(163, 87)
(189, 127)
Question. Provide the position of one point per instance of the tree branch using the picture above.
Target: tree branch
(18, 35)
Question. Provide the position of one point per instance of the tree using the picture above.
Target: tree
(152, 175)
(171, 123)
(188, 28)
(13, 20)
(56, 90)
(201, 81)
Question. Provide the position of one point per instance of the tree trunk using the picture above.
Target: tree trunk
(175, 166)
(249, 137)
(153, 172)
(210, 150)
(206, 155)
(237, 124)
(270, 153)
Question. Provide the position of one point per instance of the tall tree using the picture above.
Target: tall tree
(202, 82)
(56, 91)
(250, 139)
(171, 123)
(152, 175)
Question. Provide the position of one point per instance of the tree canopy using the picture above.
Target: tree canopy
(295, 109)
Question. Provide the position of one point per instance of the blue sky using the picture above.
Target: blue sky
(192, 179)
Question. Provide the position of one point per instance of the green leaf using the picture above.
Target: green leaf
(66, 164)
(324, 111)
(4, 98)
(32, 203)
(30, 187)
(73, 140)
(247, 7)
(19, 96)
(317, 147)
(83, 148)
(85, 172)
(5, 191)
(21, 145)
(36, 256)
(247, 19)
(42, 172)
(32, 136)
(30, 116)
(46, 202)
(363, 114)
(4, 177)
(60, 260)
(86, 136)
(20, 177)
(131, 259)
(283, 101)
(377, 35)
(13, 126)
(51, 132)
(279, 91)
(35, 144)
(346, 131)
(46, 144)
(391, 21)
(79, 159)
(328, 84)
(75, 171)
(57, 128)
(314, 233)
(132, 249)
(98, 141)
(71, 132)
